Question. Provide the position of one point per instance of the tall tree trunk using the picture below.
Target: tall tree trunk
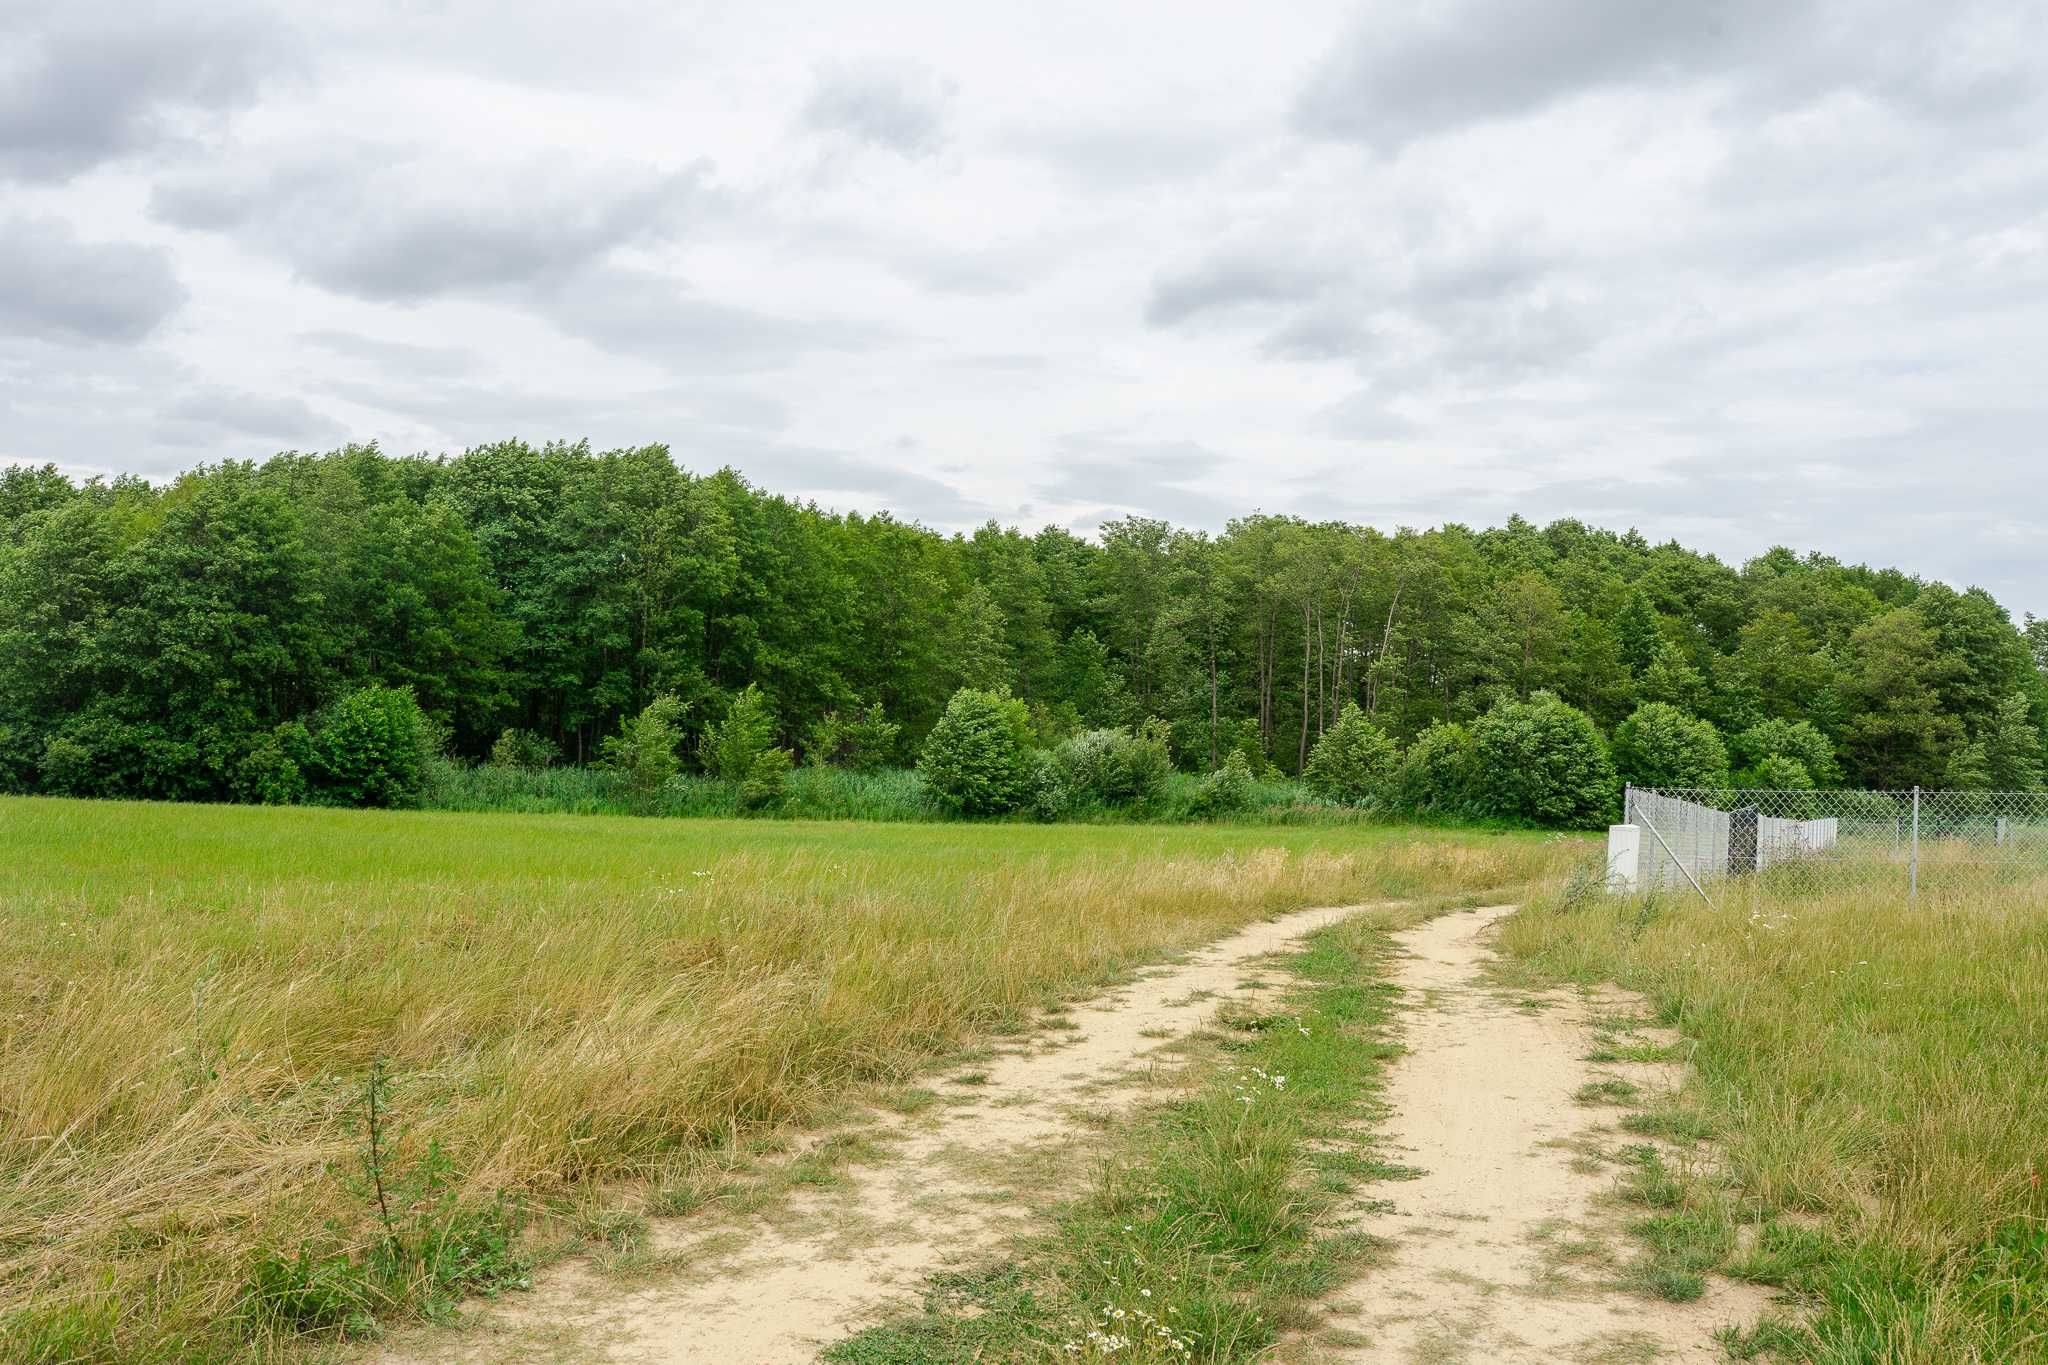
(1302, 761)
(1372, 693)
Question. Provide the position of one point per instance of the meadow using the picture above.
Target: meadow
(206, 1003)
(1869, 1076)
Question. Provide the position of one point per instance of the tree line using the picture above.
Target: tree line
(238, 632)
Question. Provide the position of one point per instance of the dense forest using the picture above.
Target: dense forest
(154, 639)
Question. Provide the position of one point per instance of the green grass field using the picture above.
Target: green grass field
(198, 995)
(1873, 1076)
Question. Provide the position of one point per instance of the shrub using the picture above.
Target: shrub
(643, 752)
(1797, 740)
(1661, 746)
(517, 748)
(1247, 740)
(862, 741)
(1227, 790)
(1779, 773)
(1352, 762)
(1542, 760)
(370, 748)
(1438, 772)
(978, 760)
(67, 767)
(741, 749)
(1115, 767)
(273, 772)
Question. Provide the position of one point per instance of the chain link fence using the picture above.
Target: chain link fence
(1905, 843)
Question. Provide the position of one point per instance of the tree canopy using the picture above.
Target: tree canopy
(153, 638)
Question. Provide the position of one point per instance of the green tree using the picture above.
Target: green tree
(1661, 746)
(1542, 761)
(643, 752)
(978, 760)
(1353, 760)
(2010, 747)
(1898, 735)
(1637, 632)
(741, 748)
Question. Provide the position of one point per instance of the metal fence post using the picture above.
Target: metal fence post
(1913, 887)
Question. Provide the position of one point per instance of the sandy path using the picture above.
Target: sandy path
(1482, 1102)
(832, 1261)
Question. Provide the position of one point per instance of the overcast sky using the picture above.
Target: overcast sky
(1738, 273)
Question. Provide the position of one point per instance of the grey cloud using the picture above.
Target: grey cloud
(396, 356)
(82, 83)
(1117, 156)
(379, 224)
(1152, 478)
(1365, 416)
(1227, 282)
(653, 316)
(57, 286)
(897, 107)
(209, 415)
(1431, 69)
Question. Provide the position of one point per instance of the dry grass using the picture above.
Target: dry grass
(1872, 1068)
(196, 994)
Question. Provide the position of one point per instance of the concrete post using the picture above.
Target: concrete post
(1624, 859)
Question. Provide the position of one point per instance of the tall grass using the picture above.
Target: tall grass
(197, 994)
(1877, 1072)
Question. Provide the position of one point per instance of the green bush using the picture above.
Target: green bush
(273, 772)
(1796, 740)
(67, 768)
(1115, 767)
(741, 749)
(978, 759)
(1438, 773)
(1352, 762)
(370, 748)
(862, 741)
(1247, 740)
(1661, 746)
(1542, 761)
(1778, 773)
(643, 753)
(1228, 790)
(517, 748)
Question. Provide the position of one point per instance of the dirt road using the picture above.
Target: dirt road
(1505, 1249)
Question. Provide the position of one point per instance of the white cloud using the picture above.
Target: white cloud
(1741, 273)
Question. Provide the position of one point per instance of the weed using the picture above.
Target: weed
(1612, 1090)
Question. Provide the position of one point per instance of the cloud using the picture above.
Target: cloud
(1408, 73)
(57, 286)
(1109, 473)
(84, 82)
(389, 225)
(211, 416)
(897, 107)
(641, 313)
(402, 357)
(1117, 155)
(1228, 282)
